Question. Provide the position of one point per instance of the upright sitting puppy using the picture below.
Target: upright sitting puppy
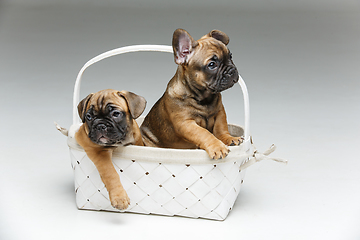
(190, 114)
(109, 121)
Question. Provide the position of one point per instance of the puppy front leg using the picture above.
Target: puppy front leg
(202, 138)
(102, 160)
(221, 130)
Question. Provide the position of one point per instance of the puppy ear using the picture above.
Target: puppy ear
(219, 35)
(183, 45)
(135, 103)
(83, 105)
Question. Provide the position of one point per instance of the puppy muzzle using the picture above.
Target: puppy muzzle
(106, 134)
(226, 79)
(232, 74)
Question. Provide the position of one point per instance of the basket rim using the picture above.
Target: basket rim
(171, 155)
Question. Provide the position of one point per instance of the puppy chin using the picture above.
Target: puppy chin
(106, 142)
(225, 87)
(103, 141)
(220, 87)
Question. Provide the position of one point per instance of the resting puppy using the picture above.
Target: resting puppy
(190, 114)
(109, 121)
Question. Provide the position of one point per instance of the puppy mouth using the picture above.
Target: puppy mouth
(103, 140)
(107, 141)
(222, 85)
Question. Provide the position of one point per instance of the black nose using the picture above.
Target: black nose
(230, 71)
(236, 77)
(101, 127)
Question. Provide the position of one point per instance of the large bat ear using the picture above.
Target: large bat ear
(82, 107)
(183, 45)
(135, 103)
(219, 35)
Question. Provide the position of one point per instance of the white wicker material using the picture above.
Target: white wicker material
(165, 181)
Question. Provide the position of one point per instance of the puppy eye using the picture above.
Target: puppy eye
(212, 65)
(88, 116)
(230, 55)
(116, 114)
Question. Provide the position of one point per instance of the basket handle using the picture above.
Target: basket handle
(156, 48)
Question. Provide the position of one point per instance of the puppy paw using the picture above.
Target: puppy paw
(218, 150)
(234, 141)
(120, 200)
(231, 141)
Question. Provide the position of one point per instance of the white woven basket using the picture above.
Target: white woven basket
(164, 181)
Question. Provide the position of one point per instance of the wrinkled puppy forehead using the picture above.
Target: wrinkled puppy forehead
(102, 100)
(209, 47)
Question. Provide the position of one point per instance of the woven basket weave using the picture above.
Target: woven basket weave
(164, 181)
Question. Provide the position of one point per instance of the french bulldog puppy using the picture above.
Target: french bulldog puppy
(190, 114)
(108, 118)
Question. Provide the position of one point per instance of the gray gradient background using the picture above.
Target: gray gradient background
(300, 60)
